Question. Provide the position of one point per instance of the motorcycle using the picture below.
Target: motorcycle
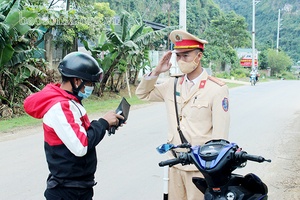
(216, 160)
(253, 80)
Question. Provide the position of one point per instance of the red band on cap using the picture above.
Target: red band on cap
(187, 44)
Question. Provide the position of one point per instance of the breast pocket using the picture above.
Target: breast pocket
(197, 103)
(200, 110)
(200, 104)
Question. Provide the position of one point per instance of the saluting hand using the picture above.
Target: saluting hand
(163, 65)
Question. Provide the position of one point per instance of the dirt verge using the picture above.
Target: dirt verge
(285, 184)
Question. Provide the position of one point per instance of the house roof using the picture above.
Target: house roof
(155, 26)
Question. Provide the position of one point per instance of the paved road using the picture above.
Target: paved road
(128, 170)
(265, 120)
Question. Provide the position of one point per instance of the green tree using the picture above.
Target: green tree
(169, 14)
(199, 12)
(279, 62)
(148, 9)
(263, 59)
(82, 20)
(225, 33)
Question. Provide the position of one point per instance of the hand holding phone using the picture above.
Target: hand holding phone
(123, 109)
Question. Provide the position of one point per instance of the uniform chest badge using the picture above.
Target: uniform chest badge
(225, 104)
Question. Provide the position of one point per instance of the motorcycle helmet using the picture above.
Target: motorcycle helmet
(81, 65)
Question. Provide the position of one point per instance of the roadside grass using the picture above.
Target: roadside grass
(233, 85)
(94, 104)
(98, 105)
(17, 122)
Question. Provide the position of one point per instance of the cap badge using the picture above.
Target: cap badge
(178, 38)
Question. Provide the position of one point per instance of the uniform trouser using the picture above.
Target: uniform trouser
(69, 193)
(181, 186)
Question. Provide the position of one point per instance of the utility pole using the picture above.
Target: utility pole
(278, 28)
(253, 33)
(169, 23)
(182, 15)
(67, 5)
(182, 26)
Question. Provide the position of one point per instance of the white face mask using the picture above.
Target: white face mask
(88, 90)
(187, 67)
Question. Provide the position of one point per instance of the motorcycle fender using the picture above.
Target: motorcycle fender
(254, 184)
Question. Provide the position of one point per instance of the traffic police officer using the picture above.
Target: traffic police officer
(202, 102)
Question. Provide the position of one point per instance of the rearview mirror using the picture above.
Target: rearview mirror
(164, 148)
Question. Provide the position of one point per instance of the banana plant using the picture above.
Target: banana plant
(13, 28)
(128, 42)
(15, 47)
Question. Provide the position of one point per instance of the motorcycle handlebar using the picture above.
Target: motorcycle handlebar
(254, 158)
(170, 162)
(182, 158)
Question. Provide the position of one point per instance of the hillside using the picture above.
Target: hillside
(267, 20)
(201, 12)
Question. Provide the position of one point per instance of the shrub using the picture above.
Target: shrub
(222, 75)
(240, 73)
(287, 75)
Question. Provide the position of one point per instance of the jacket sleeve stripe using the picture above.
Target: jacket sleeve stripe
(65, 120)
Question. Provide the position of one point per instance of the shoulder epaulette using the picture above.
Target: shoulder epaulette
(216, 80)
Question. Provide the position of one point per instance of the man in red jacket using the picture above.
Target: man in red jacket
(70, 137)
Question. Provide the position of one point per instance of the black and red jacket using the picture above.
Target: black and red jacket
(70, 137)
